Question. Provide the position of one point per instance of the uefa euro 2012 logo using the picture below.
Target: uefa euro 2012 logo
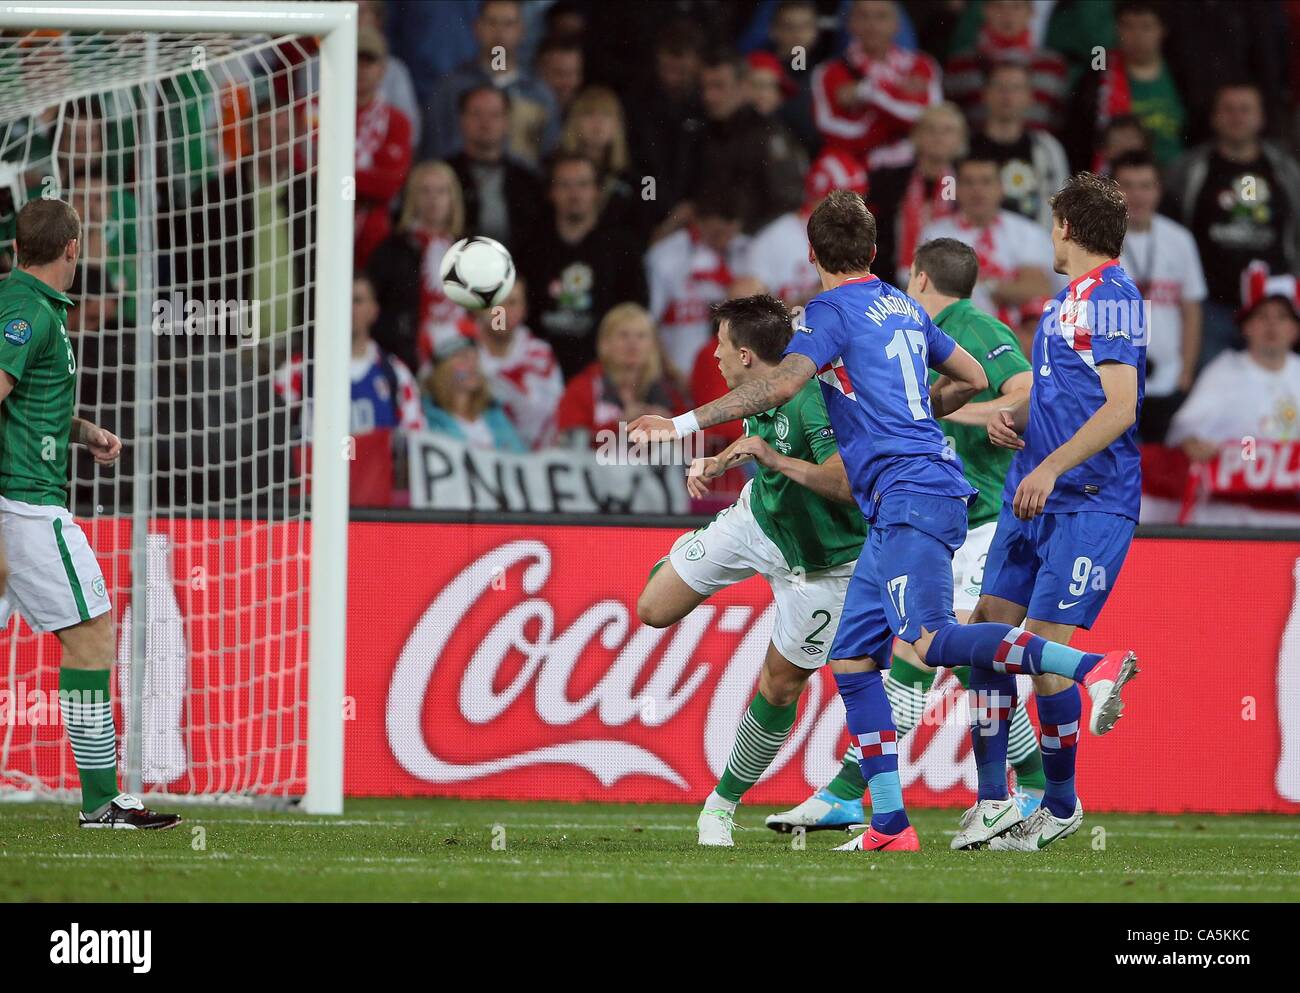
(18, 332)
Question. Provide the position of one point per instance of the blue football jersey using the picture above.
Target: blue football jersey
(873, 347)
(1100, 317)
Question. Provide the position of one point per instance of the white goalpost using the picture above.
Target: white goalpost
(208, 147)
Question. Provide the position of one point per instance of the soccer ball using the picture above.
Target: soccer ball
(477, 273)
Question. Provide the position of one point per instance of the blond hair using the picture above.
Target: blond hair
(455, 223)
(946, 109)
(598, 100)
(620, 314)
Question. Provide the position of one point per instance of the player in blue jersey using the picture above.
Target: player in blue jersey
(871, 345)
(1070, 503)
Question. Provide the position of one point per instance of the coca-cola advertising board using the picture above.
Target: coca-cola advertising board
(507, 661)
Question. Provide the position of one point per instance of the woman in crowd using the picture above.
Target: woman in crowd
(596, 130)
(625, 381)
(414, 313)
(459, 403)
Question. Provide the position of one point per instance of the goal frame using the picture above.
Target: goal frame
(335, 24)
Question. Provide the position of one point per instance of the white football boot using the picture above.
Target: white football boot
(986, 820)
(1038, 830)
(715, 827)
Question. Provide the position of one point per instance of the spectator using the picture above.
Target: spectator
(383, 148)
(793, 37)
(577, 268)
(534, 124)
(1135, 80)
(502, 195)
(1252, 394)
(1005, 37)
(595, 131)
(1240, 196)
(778, 256)
(624, 382)
(867, 100)
(1014, 253)
(384, 393)
(397, 89)
(458, 401)
(1032, 162)
(405, 270)
(665, 131)
(1120, 135)
(520, 368)
(559, 66)
(690, 270)
(1161, 258)
(743, 150)
(766, 83)
(906, 198)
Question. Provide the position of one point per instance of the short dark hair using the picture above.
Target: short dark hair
(567, 158)
(679, 37)
(995, 66)
(1096, 211)
(842, 233)
(44, 229)
(463, 100)
(952, 266)
(716, 199)
(1131, 7)
(977, 157)
(716, 58)
(760, 323)
(1136, 159)
(558, 43)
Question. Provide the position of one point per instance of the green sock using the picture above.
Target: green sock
(87, 708)
(1023, 753)
(849, 784)
(761, 734)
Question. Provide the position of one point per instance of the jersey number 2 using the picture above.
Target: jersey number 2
(907, 342)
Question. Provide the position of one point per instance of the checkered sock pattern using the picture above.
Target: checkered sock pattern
(871, 724)
(762, 732)
(992, 700)
(87, 708)
(1058, 716)
(1009, 650)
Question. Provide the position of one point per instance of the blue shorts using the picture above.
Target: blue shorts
(1061, 567)
(903, 580)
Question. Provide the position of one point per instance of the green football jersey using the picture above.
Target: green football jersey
(997, 349)
(813, 533)
(36, 416)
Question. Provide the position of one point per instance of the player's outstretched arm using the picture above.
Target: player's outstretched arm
(753, 397)
(1014, 392)
(960, 378)
(829, 480)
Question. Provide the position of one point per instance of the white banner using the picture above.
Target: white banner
(447, 474)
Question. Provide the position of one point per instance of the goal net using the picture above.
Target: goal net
(196, 159)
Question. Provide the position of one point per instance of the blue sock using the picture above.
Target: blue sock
(992, 699)
(1058, 716)
(871, 723)
(1004, 649)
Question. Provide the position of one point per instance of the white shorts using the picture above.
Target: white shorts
(54, 579)
(733, 547)
(968, 566)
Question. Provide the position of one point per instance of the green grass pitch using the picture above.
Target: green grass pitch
(444, 850)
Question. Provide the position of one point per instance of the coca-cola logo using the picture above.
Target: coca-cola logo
(549, 657)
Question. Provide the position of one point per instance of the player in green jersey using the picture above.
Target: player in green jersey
(795, 524)
(942, 276)
(53, 579)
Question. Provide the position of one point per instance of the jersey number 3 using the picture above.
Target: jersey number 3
(906, 343)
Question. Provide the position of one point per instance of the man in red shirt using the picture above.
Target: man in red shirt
(383, 148)
(867, 100)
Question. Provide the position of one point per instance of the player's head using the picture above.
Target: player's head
(48, 236)
(979, 188)
(942, 269)
(752, 335)
(365, 306)
(1138, 177)
(1089, 219)
(842, 234)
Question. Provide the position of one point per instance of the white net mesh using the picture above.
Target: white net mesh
(192, 161)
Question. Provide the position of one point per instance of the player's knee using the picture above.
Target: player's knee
(651, 613)
(90, 644)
